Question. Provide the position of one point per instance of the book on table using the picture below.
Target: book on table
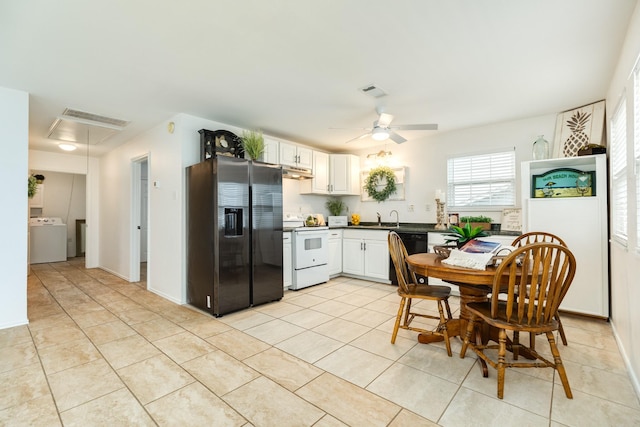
(476, 246)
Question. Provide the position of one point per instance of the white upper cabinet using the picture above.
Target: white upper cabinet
(337, 174)
(344, 178)
(320, 182)
(295, 155)
(271, 151)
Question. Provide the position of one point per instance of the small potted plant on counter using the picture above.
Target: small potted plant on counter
(481, 221)
(336, 206)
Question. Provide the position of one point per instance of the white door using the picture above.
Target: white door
(144, 203)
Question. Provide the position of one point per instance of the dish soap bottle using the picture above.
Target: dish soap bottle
(540, 148)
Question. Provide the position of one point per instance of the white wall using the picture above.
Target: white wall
(14, 171)
(625, 261)
(425, 160)
(169, 155)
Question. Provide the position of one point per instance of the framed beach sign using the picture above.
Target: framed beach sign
(563, 182)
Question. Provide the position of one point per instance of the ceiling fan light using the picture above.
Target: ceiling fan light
(379, 134)
(67, 147)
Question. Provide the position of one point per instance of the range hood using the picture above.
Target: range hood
(292, 172)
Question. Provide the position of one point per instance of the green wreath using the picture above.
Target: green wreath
(372, 182)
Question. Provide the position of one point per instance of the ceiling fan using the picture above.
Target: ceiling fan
(383, 130)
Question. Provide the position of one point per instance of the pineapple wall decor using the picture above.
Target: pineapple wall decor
(578, 127)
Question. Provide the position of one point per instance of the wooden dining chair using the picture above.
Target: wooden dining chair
(409, 289)
(548, 269)
(536, 237)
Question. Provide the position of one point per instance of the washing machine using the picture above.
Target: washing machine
(48, 240)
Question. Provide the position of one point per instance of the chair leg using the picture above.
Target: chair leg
(515, 346)
(406, 313)
(559, 366)
(398, 317)
(502, 351)
(467, 337)
(532, 341)
(443, 325)
(561, 330)
(446, 305)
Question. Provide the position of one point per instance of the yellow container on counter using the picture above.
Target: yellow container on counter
(355, 219)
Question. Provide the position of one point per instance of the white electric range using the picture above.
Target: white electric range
(309, 246)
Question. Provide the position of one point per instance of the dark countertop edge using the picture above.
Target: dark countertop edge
(416, 228)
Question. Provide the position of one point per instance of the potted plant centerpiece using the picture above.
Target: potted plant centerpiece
(253, 144)
(457, 237)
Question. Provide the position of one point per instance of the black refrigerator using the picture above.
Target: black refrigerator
(234, 234)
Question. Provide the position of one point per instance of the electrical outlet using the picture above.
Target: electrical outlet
(427, 207)
(410, 208)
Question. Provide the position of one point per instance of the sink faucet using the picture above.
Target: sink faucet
(397, 217)
(379, 219)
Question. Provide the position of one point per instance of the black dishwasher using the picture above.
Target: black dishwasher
(415, 242)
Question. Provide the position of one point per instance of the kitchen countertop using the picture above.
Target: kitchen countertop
(417, 228)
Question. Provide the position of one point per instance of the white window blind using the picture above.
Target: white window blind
(482, 180)
(636, 143)
(618, 161)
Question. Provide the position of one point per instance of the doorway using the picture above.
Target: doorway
(139, 219)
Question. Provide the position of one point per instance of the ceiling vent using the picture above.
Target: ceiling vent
(373, 91)
(83, 127)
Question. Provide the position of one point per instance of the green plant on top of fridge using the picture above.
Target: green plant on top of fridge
(253, 144)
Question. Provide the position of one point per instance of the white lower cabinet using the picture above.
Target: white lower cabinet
(365, 253)
(335, 252)
(287, 270)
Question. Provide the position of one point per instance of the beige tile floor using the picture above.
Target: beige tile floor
(101, 351)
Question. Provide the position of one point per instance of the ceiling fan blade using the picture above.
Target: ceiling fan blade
(432, 126)
(384, 120)
(359, 137)
(396, 138)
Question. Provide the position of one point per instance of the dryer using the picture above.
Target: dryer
(48, 240)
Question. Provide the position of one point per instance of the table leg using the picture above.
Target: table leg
(469, 295)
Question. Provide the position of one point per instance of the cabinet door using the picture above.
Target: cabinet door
(271, 149)
(320, 181)
(339, 182)
(352, 256)
(376, 259)
(288, 154)
(568, 218)
(335, 254)
(344, 177)
(287, 271)
(305, 157)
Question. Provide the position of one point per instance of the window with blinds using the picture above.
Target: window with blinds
(482, 180)
(636, 142)
(618, 159)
